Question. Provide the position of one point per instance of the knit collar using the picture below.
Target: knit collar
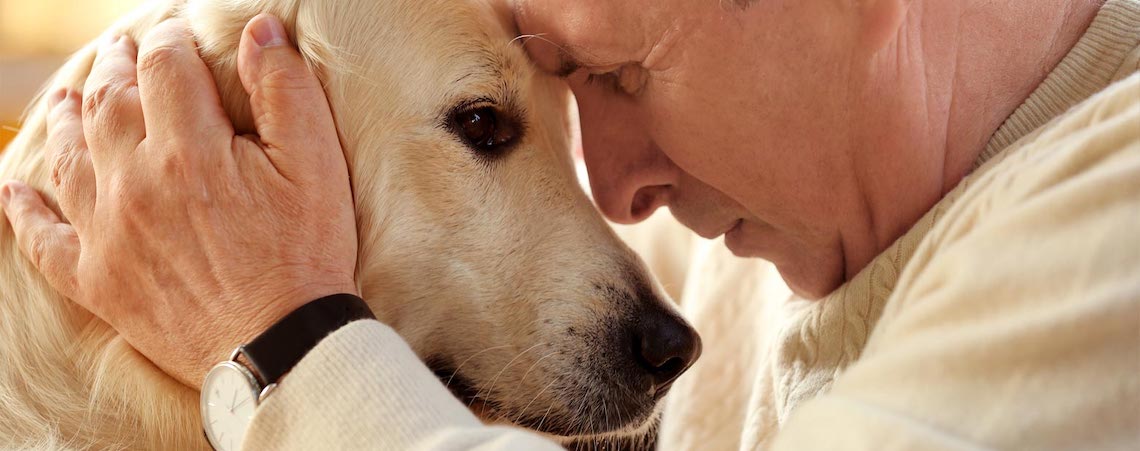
(1104, 54)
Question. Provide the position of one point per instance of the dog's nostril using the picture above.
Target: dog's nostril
(671, 366)
(665, 347)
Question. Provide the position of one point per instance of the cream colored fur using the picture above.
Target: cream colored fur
(473, 262)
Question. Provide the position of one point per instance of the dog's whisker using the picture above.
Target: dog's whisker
(527, 37)
(561, 48)
(542, 37)
(606, 412)
(543, 420)
(535, 364)
(522, 412)
(491, 388)
(575, 419)
(468, 359)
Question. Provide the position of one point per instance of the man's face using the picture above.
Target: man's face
(734, 118)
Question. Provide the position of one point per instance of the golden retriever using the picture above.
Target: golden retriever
(488, 259)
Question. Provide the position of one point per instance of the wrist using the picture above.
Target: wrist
(256, 366)
(283, 302)
(283, 344)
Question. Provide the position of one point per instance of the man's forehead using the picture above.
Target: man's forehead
(564, 37)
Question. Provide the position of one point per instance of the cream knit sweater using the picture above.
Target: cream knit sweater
(1007, 317)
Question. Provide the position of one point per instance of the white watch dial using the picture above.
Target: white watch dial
(229, 397)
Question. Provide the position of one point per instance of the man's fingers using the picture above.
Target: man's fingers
(66, 148)
(179, 96)
(289, 106)
(52, 246)
(112, 116)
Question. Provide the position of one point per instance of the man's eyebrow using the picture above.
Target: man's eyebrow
(567, 65)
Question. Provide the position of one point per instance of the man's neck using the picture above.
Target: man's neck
(951, 76)
(999, 60)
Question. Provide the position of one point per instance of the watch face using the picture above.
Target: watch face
(229, 397)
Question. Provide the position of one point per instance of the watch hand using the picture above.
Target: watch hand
(232, 401)
(242, 403)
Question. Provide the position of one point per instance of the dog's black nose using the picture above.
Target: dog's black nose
(664, 346)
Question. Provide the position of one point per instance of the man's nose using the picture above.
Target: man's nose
(630, 176)
(628, 204)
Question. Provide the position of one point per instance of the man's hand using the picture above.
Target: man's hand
(185, 238)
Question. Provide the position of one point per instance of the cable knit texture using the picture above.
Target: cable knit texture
(1107, 52)
(1007, 317)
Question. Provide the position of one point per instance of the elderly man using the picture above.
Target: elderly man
(957, 182)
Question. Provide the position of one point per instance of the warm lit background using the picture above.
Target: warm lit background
(35, 37)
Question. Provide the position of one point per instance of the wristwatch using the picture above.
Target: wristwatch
(232, 391)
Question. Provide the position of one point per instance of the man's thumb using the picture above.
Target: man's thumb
(289, 106)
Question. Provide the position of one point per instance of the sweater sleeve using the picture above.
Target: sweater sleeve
(362, 387)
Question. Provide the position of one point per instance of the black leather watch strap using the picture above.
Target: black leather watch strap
(278, 349)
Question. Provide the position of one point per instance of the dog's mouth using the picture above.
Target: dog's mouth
(490, 410)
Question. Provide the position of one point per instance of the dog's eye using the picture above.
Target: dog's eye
(485, 130)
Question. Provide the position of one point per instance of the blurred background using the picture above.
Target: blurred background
(35, 38)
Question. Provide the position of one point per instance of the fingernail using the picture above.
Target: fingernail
(268, 32)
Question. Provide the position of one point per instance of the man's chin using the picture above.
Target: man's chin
(805, 292)
(743, 243)
(807, 276)
(810, 285)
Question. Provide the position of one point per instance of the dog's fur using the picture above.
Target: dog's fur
(497, 271)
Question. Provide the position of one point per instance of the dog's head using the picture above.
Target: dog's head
(476, 242)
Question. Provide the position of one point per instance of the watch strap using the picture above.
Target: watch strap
(279, 348)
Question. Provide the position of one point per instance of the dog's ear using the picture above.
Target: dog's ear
(218, 25)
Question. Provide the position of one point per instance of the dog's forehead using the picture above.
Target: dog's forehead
(482, 53)
(432, 51)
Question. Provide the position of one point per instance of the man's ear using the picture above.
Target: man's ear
(879, 21)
